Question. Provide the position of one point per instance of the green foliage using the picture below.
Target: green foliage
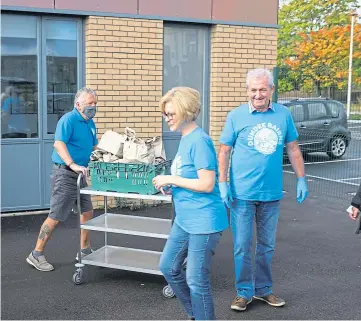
(355, 117)
(300, 18)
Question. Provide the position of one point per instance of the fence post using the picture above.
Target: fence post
(275, 79)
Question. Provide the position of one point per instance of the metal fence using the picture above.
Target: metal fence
(332, 161)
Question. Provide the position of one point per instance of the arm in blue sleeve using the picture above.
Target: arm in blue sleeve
(291, 134)
(229, 135)
(204, 155)
(64, 130)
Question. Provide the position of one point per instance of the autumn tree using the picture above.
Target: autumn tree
(298, 19)
(323, 57)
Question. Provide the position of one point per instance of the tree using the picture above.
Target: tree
(323, 57)
(297, 20)
(298, 17)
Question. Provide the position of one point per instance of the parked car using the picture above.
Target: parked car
(321, 124)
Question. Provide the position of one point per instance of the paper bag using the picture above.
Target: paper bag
(136, 149)
(113, 143)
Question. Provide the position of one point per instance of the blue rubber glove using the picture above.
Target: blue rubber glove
(226, 194)
(302, 190)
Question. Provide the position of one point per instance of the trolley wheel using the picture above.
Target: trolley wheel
(78, 277)
(168, 292)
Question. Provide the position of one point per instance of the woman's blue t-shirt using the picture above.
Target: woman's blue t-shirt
(197, 212)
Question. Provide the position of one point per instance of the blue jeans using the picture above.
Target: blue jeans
(193, 286)
(243, 214)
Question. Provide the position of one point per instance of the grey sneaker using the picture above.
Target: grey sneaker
(271, 299)
(83, 254)
(39, 263)
(240, 304)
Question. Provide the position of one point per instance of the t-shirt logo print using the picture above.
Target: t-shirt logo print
(176, 166)
(265, 138)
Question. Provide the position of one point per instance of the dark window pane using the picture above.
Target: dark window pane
(19, 77)
(183, 60)
(61, 67)
(335, 108)
(317, 111)
(297, 112)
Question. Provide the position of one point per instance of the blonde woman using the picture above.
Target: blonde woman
(200, 213)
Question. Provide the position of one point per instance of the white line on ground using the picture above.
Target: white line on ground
(325, 179)
(349, 127)
(349, 179)
(326, 162)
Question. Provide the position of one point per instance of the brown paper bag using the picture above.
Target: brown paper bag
(136, 149)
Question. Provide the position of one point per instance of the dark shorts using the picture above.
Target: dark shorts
(64, 194)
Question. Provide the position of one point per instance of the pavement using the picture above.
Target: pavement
(316, 269)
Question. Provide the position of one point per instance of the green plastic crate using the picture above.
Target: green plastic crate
(126, 178)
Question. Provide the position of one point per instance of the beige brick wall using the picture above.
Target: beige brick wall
(124, 60)
(234, 51)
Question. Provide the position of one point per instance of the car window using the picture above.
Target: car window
(298, 113)
(317, 111)
(335, 108)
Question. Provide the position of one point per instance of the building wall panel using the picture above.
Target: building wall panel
(199, 9)
(255, 11)
(118, 6)
(48, 4)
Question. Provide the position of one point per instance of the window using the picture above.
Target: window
(317, 111)
(61, 69)
(19, 77)
(298, 113)
(185, 55)
(37, 50)
(335, 109)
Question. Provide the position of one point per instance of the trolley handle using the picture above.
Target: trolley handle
(79, 180)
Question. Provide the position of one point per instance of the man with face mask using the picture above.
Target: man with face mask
(75, 139)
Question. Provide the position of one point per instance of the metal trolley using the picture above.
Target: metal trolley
(123, 258)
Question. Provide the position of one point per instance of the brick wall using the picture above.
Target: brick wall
(124, 59)
(234, 51)
(124, 65)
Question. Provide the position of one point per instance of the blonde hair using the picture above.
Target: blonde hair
(186, 100)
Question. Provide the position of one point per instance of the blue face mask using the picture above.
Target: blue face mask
(90, 111)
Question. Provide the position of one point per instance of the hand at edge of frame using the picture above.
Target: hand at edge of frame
(355, 213)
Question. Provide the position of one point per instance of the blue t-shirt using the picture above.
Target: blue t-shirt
(12, 105)
(79, 136)
(197, 212)
(258, 139)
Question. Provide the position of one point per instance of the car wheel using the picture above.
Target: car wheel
(337, 147)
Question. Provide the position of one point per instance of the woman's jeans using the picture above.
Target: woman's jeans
(192, 287)
(243, 214)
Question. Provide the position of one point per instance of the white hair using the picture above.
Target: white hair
(260, 73)
(83, 90)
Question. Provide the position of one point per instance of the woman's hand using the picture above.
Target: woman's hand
(161, 181)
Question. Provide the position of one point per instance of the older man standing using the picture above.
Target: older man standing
(75, 139)
(254, 135)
